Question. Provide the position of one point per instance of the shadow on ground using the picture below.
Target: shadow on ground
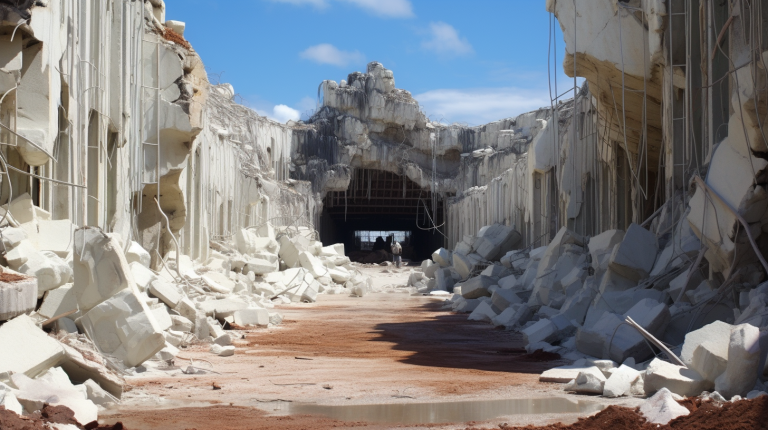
(451, 341)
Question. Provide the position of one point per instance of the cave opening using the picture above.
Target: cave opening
(387, 205)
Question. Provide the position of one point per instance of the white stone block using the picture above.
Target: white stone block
(502, 299)
(628, 342)
(575, 308)
(467, 305)
(290, 249)
(662, 408)
(18, 294)
(633, 258)
(138, 254)
(252, 316)
(124, 327)
(476, 287)
(507, 282)
(182, 324)
(49, 269)
(223, 351)
(177, 26)
(514, 315)
(550, 255)
(706, 350)
(495, 241)
(483, 312)
(22, 209)
(620, 382)
(541, 331)
(330, 251)
(166, 292)
(741, 370)
(444, 279)
(162, 317)
(54, 236)
(677, 379)
(443, 257)
(589, 381)
(58, 302)
(219, 282)
(54, 387)
(101, 270)
(33, 351)
(593, 340)
(9, 401)
(98, 395)
(463, 265)
(261, 266)
(462, 248)
(430, 268)
(495, 271)
(601, 247)
(12, 236)
(309, 294)
(222, 308)
(313, 265)
(142, 276)
(340, 275)
(19, 255)
(564, 374)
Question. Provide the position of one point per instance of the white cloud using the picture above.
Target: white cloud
(445, 40)
(481, 105)
(325, 53)
(283, 113)
(386, 8)
(320, 4)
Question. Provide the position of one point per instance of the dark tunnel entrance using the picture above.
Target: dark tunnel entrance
(382, 202)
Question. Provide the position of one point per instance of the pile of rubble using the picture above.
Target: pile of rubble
(613, 303)
(83, 309)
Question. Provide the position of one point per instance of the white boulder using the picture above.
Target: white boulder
(662, 408)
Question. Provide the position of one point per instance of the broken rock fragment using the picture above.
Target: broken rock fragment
(662, 408)
(18, 294)
(125, 328)
(101, 269)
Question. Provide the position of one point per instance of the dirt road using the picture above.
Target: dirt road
(383, 348)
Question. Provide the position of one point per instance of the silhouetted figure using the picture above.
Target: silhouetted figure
(379, 244)
(397, 252)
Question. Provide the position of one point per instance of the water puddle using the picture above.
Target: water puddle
(426, 413)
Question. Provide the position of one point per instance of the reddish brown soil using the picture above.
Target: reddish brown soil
(49, 414)
(369, 350)
(224, 417)
(11, 277)
(176, 38)
(742, 415)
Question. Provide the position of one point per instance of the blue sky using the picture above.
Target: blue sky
(468, 62)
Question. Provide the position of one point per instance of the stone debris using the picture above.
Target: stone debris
(573, 296)
(621, 381)
(589, 381)
(120, 311)
(662, 408)
(18, 294)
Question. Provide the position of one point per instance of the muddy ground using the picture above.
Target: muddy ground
(384, 348)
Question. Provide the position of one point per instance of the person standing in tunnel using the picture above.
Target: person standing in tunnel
(397, 252)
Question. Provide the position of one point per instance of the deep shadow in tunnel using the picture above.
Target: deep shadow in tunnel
(383, 201)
